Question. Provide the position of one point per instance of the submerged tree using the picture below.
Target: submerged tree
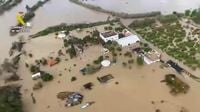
(140, 60)
(46, 76)
(72, 52)
(10, 99)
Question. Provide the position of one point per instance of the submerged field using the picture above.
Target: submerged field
(130, 85)
(134, 83)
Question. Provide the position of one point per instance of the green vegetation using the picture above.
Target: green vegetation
(72, 52)
(168, 18)
(187, 12)
(142, 23)
(140, 61)
(46, 76)
(128, 54)
(10, 99)
(131, 61)
(98, 61)
(64, 27)
(170, 36)
(37, 86)
(34, 69)
(194, 15)
(176, 85)
(28, 16)
(124, 64)
(13, 77)
(73, 79)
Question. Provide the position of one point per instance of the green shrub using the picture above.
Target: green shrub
(46, 76)
(34, 69)
(10, 99)
(140, 60)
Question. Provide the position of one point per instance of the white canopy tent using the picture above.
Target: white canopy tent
(105, 63)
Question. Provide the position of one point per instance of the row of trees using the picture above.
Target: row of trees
(65, 27)
(142, 23)
(194, 15)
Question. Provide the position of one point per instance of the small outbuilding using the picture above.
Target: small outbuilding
(105, 79)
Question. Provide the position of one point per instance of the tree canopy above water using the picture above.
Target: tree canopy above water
(10, 99)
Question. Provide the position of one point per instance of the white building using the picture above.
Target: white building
(61, 35)
(110, 35)
(128, 38)
(152, 57)
(126, 41)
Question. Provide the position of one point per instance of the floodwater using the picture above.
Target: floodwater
(141, 6)
(59, 11)
(52, 13)
(142, 80)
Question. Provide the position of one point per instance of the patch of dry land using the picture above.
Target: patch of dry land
(134, 87)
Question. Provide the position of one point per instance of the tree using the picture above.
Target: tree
(73, 79)
(98, 61)
(34, 69)
(44, 61)
(187, 12)
(119, 49)
(124, 64)
(140, 60)
(13, 77)
(194, 12)
(72, 51)
(8, 66)
(37, 86)
(27, 65)
(46, 76)
(128, 54)
(131, 61)
(10, 99)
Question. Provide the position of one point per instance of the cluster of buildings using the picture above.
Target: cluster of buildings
(125, 38)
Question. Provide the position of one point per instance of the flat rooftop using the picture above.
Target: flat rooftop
(108, 34)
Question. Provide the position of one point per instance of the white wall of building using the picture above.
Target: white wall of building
(149, 61)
